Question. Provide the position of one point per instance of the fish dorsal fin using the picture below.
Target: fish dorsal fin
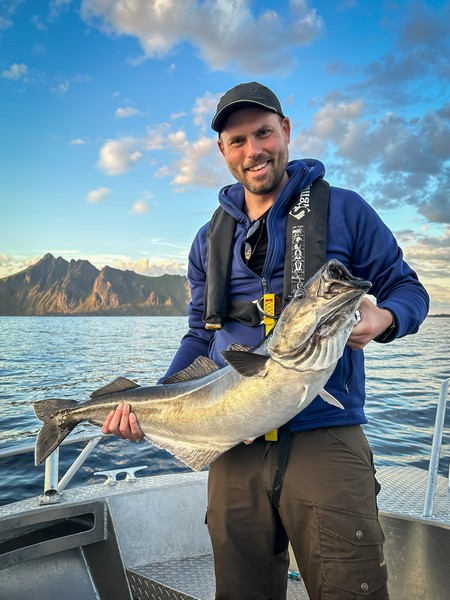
(239, 348)
(246, 364)
(201, 366)
(118, 385)
(330, 399)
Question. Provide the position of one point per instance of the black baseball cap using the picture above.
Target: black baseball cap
(244, 95)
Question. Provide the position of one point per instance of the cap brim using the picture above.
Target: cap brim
(222, 115)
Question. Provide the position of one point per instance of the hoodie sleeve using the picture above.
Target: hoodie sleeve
(197, 340)
(373, 253)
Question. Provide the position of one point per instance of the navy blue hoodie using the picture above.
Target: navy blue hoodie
(357, 237)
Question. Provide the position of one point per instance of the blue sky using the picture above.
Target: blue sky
(106, 151)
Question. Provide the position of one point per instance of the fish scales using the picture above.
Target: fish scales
(203, 411)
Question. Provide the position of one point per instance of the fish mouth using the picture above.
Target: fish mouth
(347, 289)
(335, 275)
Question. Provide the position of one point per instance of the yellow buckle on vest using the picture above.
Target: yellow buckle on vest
(271, 436)
(269, 310)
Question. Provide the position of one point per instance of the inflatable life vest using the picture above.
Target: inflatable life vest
(306, 240)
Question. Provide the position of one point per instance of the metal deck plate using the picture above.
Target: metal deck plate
(186, 579)
(403, 492)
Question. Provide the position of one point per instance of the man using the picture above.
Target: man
(327, 506)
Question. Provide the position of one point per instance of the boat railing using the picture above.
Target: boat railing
(436, 450)
(52, 485)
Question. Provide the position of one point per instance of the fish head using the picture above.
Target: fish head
(324, 308)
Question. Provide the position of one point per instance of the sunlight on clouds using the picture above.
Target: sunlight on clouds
(96, 196)
(153, 267)
(204, 108)
(195, 163)
(118, 156)
(225, 33)
(9, 265)
(429, 256)
(139, 207)
(196, 167)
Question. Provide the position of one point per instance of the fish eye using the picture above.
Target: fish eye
(300, 292)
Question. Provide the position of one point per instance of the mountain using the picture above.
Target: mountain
(54, 286)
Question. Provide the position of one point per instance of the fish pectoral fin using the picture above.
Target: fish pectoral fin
(246, 363)
(195, 458)
(201, 366)
(330, 399)
(120, 384)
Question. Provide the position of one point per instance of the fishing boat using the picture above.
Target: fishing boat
(140, 538)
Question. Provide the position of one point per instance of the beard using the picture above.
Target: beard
(269, 180)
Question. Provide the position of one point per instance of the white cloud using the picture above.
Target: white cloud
(178, 115)
(333, 120)
(224, 33)
(77, 142)
(429, 255)
(118, 156)
(139, 207)
(61, 88)
(98, 195)
(9, 265)
(153, 267)
(16, 71)
(142, 206)
(197, 166)
(204, 109)
(124, 113)
(195, 163)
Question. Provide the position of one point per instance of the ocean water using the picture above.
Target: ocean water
(69, 357)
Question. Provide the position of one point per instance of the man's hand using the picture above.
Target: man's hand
(373, 322)
(123, 422)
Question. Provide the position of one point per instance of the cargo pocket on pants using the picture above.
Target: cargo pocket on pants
(352, 553)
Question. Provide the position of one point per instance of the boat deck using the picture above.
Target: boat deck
(154, 528)
(194, 575)
(192, 578)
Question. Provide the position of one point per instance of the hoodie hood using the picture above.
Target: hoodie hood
(301, 174)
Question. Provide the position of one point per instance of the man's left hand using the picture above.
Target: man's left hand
(373, 322)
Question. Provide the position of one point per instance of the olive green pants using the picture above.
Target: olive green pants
(327, 510)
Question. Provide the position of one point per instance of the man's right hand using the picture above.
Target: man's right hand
(124, 423)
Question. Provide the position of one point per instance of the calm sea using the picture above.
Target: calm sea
(69, 357)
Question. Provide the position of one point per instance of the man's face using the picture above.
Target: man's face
(254, 143)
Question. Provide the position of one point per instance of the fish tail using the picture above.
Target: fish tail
(58, 422)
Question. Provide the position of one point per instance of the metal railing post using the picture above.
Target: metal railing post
(436, 450)
(51, 495)
(72, 470)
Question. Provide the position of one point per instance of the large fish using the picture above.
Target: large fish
(203, 411)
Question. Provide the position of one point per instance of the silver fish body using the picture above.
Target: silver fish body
(203, 411)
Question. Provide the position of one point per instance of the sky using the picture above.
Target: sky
(106, 151)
